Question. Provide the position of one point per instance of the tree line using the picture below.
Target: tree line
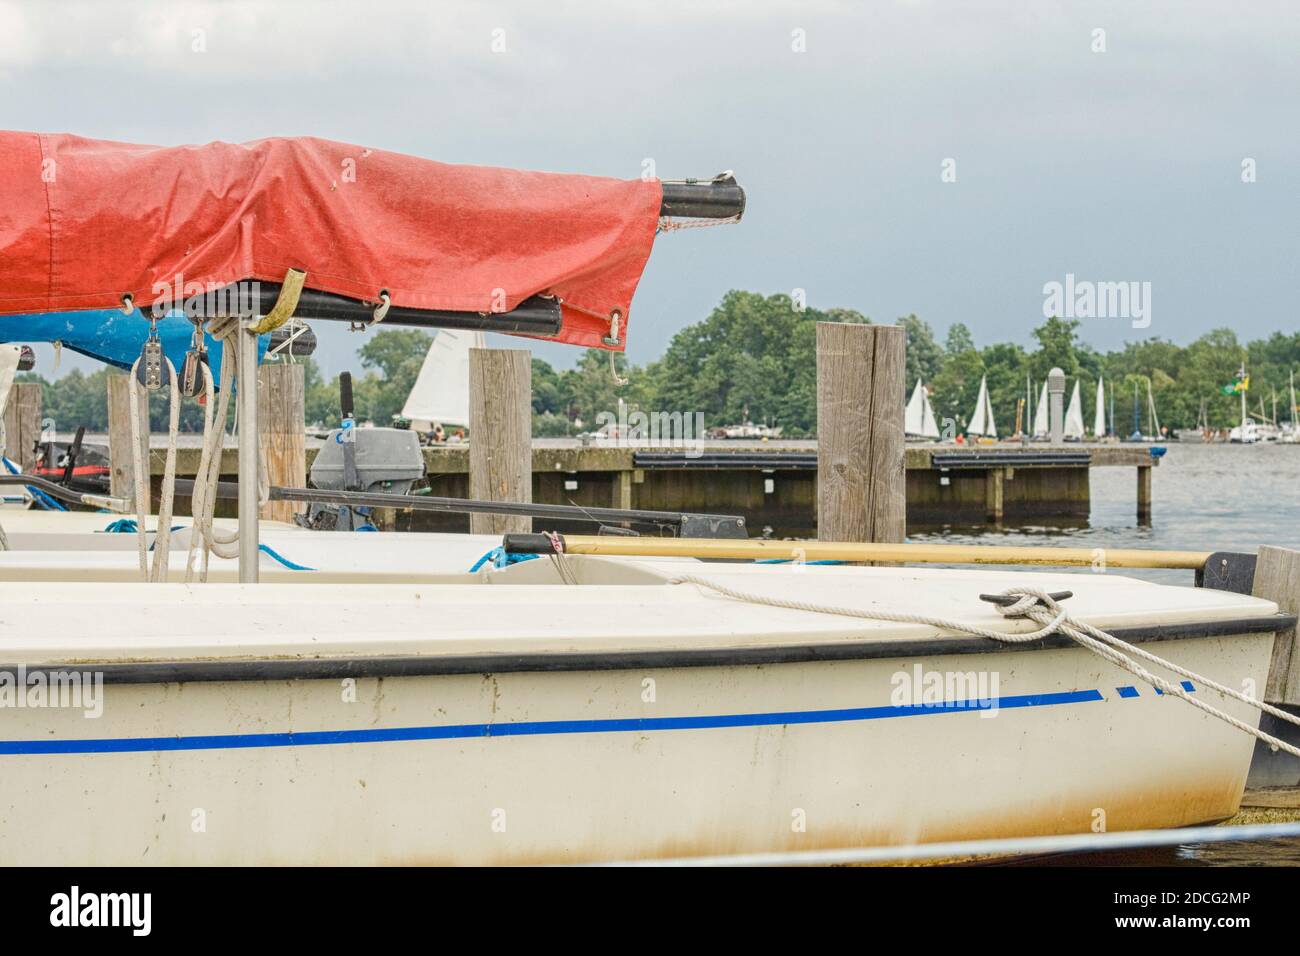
(754, 357)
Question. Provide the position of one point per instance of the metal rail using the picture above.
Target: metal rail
(720, 198)
(249, 454)
(1015, 459)
(695, 525)
(713, 461)
(701, 526)
(56, 490)
(1014, 846)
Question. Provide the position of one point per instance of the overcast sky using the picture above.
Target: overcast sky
(1122, 165)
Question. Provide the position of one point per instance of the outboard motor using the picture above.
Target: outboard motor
(375, 460)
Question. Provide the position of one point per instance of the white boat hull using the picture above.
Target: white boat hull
(577, 766)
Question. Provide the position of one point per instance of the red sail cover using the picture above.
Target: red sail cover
(83, 222)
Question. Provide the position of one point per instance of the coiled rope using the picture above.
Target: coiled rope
(206, 538)
(1043, 609)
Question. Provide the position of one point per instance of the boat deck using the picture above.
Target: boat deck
(619, 606)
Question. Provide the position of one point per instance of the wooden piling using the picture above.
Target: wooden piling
(500, 435)
(120, 405)
(1277, 578)
(23, 420)
(861, 482)
(994, 495)
(621, 496)
(1144, 494)
(280, 416)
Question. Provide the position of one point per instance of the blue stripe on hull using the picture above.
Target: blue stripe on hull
(317, 738)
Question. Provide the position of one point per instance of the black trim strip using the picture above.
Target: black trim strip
(338, 668)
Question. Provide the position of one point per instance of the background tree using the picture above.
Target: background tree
(924, 353)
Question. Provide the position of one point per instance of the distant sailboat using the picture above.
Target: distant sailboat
(441, 391)
(1074, 416)
(1152, 418)
(1099, 418)
(919, 421)
(981, 422)
(1291, 433)
(1040, 416)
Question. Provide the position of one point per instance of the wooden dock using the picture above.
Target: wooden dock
(773, 483)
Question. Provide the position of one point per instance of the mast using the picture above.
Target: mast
(1099, 414)
(1241, 377)
(1151, 407)
(988, 411)
(1029, 405)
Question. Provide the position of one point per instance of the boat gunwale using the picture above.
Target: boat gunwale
(338, 667)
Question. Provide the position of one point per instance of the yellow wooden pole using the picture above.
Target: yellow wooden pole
(759, 550)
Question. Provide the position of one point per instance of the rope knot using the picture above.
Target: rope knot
(1026, 600)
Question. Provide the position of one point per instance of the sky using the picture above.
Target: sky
(948, 159)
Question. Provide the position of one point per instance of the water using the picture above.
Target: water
(1216, 497)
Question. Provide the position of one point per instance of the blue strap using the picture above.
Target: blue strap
(500, 558)
(787, 561)
(282, 559)
(129, 526)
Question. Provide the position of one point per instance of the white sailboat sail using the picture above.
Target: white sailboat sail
(981, 422)
(1099, 419)
(1074, 415)
(1040, 414)
(913, 418)
(441, 390)
(929, 427)
(918, 420)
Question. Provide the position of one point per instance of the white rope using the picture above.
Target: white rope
(200, 497)
(224, 544)
(668, 224)
(157, 571)
(1042, 608)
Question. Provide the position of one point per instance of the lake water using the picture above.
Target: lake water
(1216, 497)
